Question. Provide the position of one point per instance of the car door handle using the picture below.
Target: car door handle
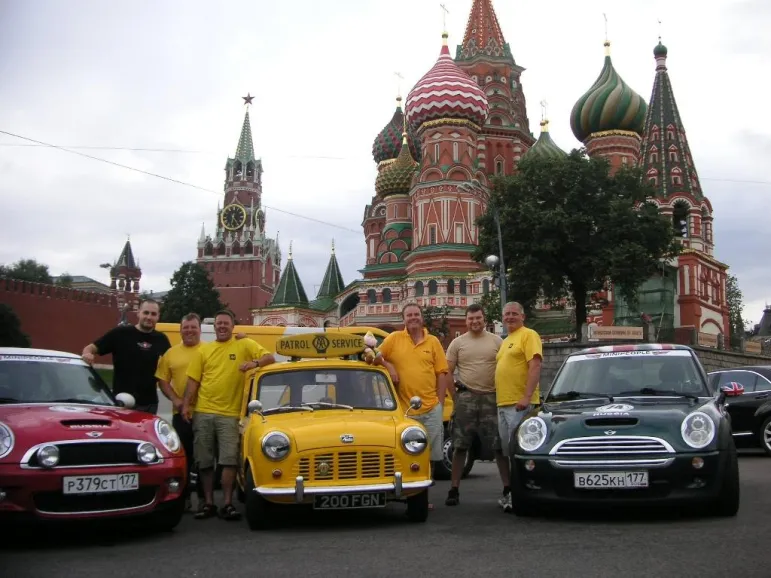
(761, 396)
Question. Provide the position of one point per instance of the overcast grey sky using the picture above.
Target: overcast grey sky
(147, 74)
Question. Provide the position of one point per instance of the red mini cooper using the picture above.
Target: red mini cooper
(69, 449)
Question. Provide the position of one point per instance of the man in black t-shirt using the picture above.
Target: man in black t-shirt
(135, 351)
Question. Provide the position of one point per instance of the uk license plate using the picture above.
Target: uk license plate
(104, 484)
(610, 480)
(349, 501)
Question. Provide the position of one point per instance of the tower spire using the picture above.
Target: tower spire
(245, 148)
(332, 284)
(483, 34)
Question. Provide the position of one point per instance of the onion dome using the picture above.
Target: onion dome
(388, 142)
(446, 92)
(608, 105)
(396, 178)
(660, 50)
(545, 147)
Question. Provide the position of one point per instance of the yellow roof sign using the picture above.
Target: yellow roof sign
(320, 345)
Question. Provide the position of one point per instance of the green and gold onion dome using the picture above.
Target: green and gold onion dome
(396, 178)
(544, 147)
(388, 142)
(609, 105)
(660, 50)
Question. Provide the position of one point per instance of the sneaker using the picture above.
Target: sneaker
(505, 503)
(453, 497)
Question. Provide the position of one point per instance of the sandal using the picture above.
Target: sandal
(206, 511)
(228, 512)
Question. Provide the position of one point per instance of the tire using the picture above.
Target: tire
(443, 468)
(417, 507)
(258, 511)
(764, 435)
(170, 517)
(727, 502)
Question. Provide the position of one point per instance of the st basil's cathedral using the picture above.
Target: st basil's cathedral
(464, 121)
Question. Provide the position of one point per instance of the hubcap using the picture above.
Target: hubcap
(447, 454)
(767, 436)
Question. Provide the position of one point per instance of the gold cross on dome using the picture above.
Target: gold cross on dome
(445, 12)
(399, 83)
(544, 109)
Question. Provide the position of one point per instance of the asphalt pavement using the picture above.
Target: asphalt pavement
(473, 539)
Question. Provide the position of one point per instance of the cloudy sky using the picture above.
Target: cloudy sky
(170, 75)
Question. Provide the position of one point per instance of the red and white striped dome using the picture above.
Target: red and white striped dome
(446, 91)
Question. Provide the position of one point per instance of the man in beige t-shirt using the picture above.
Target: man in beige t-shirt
(476, 410)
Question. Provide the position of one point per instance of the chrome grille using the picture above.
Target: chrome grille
(331, 466)
(90, 453)
(611, 446)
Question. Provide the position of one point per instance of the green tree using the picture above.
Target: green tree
(11, 334)
(491, 304)
(28, 270)
(435, 320)
(734, 298)
(192, 291)
(568, 226)
(64, 280)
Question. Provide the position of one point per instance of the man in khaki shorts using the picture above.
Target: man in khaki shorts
(476, 412)
(215, 376)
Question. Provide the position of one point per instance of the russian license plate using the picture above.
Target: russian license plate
(104, 484)
(349, 501)
(610, 480)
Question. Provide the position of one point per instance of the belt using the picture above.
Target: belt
(461, 387)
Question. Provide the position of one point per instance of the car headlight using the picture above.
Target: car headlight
(276, 445)
(48, 456)
(698, 430)
(167, 435)
(531, 434)
(414, 440)
(6, 440)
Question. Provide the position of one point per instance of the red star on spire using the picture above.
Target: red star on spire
(248, 98)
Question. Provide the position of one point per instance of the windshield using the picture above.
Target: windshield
(326, 388)
(619, 373)
(41, 379)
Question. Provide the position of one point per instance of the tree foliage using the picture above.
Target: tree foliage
(491, 304)
(64, 280)
(192, 291)
(568, 226)
(435, 320)
(734, 298)
(11, 334)
(27, 270)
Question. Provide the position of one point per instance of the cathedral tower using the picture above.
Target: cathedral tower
(242, 261)
(486, 57)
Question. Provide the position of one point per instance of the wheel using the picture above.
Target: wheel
(417, 507)
(170, 517)
(765, 435)
(258, 514)
(443, 468)
(727, 502)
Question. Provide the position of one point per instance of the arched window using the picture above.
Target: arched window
(372, 296)
(450, 286)
(418, 288)
(432, 288)
(680, 220)
(386, 295)
(455, 153)
(463, 287)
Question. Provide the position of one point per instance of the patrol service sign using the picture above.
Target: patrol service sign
(319, 345)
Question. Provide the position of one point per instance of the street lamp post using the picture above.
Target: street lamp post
(494, 262)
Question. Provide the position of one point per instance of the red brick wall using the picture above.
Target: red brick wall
(60, 318)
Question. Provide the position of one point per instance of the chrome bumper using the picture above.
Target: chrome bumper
(299, 490)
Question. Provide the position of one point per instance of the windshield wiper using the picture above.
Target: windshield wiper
(287, 408)
(326, 404)
(74, 400)
(569, 395)
(654, 391)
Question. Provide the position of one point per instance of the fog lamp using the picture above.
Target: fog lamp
(173, 485)
(697, 463)
(529, 465)
(277, 473)
(414, 467)
(2, 495)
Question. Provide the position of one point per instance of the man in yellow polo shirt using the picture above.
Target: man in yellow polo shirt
(517, 373)
(172, 380)
(215, 374)
(418, 366)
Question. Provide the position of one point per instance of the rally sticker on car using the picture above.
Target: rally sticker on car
(66, 408)
(630, 353)
(42, 359)
(614, 409)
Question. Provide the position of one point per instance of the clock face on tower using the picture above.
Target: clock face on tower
(233, 217)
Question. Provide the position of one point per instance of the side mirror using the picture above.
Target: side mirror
(254, 406)
(415, 404)
(732, 389)
(125, 400)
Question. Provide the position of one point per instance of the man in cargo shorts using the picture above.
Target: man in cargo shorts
(476, 413)
(517, 373)
(215, 374)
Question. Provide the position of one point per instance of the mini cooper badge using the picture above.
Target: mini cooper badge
(323, 468)
(94, 434)
(610, 432)
(346, 438)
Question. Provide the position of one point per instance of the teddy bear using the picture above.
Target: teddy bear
(370, 351)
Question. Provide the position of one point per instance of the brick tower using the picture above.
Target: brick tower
(242, 261)
(124, 280)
